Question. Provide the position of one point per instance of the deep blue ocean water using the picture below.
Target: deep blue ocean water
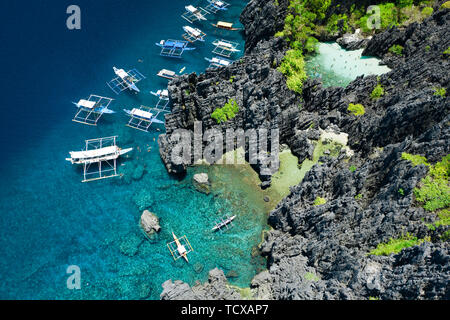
(48, 218)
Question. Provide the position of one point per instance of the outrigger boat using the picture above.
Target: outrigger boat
(143, 118)
(218, 62)
(193, 34)
(217, 5)
(98, 151)
(163, 96)
(193, 14)
(92, 109)
(224, 223)
(225, 48)
(180, 248)
(226, 26)
(167, 74)
(173, 48)
(125, 80)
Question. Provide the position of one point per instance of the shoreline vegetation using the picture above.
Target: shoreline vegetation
(308, 21)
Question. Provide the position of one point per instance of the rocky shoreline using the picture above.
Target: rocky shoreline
(321, 252)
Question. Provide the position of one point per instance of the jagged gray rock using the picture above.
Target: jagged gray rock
(321, 252)
(215, 289)
(150, 222)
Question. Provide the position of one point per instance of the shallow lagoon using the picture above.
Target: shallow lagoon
(338, 67)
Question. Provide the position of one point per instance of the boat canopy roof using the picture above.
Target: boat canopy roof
(96, 153)
(220, 61)
(168, 72)
(191, 8)
(193, 31)
(225, 24)
(224, 44)
(121, 73)
(86, 103)
(141, 113)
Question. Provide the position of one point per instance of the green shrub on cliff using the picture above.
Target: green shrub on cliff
(377, 92)
(415, 159)
(338, 22)
(356, 109)
(293, 67)
(427, 11)
(227, 112)
(433, 191)
(300, 24)
(446, 5)
(319, 201)
(397, 245)
(388, 17)
(396, 49)
(442, 92)
(447, 52)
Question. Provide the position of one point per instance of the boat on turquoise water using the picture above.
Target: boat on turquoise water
(102, 154)
(225, 48)
(91, 110)
(142, 118)
(180, 247)
(225, 25)
(224, 223)
(193, 14)
(193, 34)
(125, 80)
(215, 6)
(164, 98)
(162, 94)
(218, 62)
(167, 74)
(182, 70)
(173, 48)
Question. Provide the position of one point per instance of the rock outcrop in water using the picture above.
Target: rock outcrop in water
(150, 223)
(321, 251)
(215, 289)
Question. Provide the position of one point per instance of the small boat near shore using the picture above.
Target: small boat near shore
(224, 223)
(225, 48)
(226, 26)
(218, 62)
(125, 80)
(143, 118)
(180, 248)
(193, 34)
(167, 74)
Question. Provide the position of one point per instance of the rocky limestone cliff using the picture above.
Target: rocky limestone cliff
(321, 252)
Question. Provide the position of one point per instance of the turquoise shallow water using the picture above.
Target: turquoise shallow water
(338, 67)
(49, 219)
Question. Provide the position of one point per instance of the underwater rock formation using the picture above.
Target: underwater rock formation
(201, 183)
(322, 251)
